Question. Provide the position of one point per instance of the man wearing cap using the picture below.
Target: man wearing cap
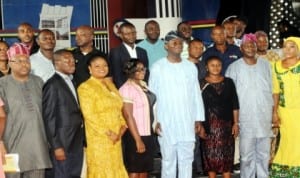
(24, 128)
(179, 108)
(252, 78)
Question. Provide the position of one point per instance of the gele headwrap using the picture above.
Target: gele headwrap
(295, 40)
(17, 49)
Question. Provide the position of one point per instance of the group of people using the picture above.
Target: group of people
(82, 113)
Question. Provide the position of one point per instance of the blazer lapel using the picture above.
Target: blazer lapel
(124, 53)
(66, 88)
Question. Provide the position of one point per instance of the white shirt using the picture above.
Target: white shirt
(41, 66)
(131, 51)
(68, 80)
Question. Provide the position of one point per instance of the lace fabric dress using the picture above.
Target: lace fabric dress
(220, 99)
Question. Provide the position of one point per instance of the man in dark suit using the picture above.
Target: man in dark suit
(63, 119)
(128, 49)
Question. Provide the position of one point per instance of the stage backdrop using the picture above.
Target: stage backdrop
(18, 11)
(201, 13)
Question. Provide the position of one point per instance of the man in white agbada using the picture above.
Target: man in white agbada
(179, 108)
(253, 81)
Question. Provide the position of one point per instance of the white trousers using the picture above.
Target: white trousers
(181, 155)
(255, 156)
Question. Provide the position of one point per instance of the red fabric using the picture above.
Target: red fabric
(17, 49)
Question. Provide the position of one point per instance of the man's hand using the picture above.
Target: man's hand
(60, 154)
(2, 151)
(235, 130)
(158, 129)
(200, 131)
(275, 120)
(198, 127)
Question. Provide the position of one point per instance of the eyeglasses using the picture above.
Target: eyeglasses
(142, 69)
(3, 49)
(20, 61)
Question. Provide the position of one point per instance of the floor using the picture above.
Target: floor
(157, 166)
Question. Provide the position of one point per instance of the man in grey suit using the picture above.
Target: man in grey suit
(63, 119)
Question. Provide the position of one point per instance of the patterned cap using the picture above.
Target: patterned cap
(171, 35)
(17, 49)
(250, 37)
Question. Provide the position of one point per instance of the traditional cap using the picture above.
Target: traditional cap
(171, 35)
(17, 49)
(229, 18)
(295, 40)
(250, 37)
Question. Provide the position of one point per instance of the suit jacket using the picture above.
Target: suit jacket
(62, 116)
(118, 56)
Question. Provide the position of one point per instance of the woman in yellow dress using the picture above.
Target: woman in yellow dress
(286, 92)
(101, 106)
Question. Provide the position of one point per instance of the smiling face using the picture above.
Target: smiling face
(20, 65)
(290, 49)
(65, 63)
(174, 46)
(249, 49)
(214, 66)
(185, 31)
(152, 31)
(98, 68)
(46, 40)
(140, 72)
(128, 35)
(262, 43)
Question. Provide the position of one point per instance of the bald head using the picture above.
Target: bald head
(84, 36)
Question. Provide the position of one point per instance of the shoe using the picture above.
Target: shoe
(236, 168)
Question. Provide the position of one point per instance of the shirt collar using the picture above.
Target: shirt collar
(129, 47)
(64, 76)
